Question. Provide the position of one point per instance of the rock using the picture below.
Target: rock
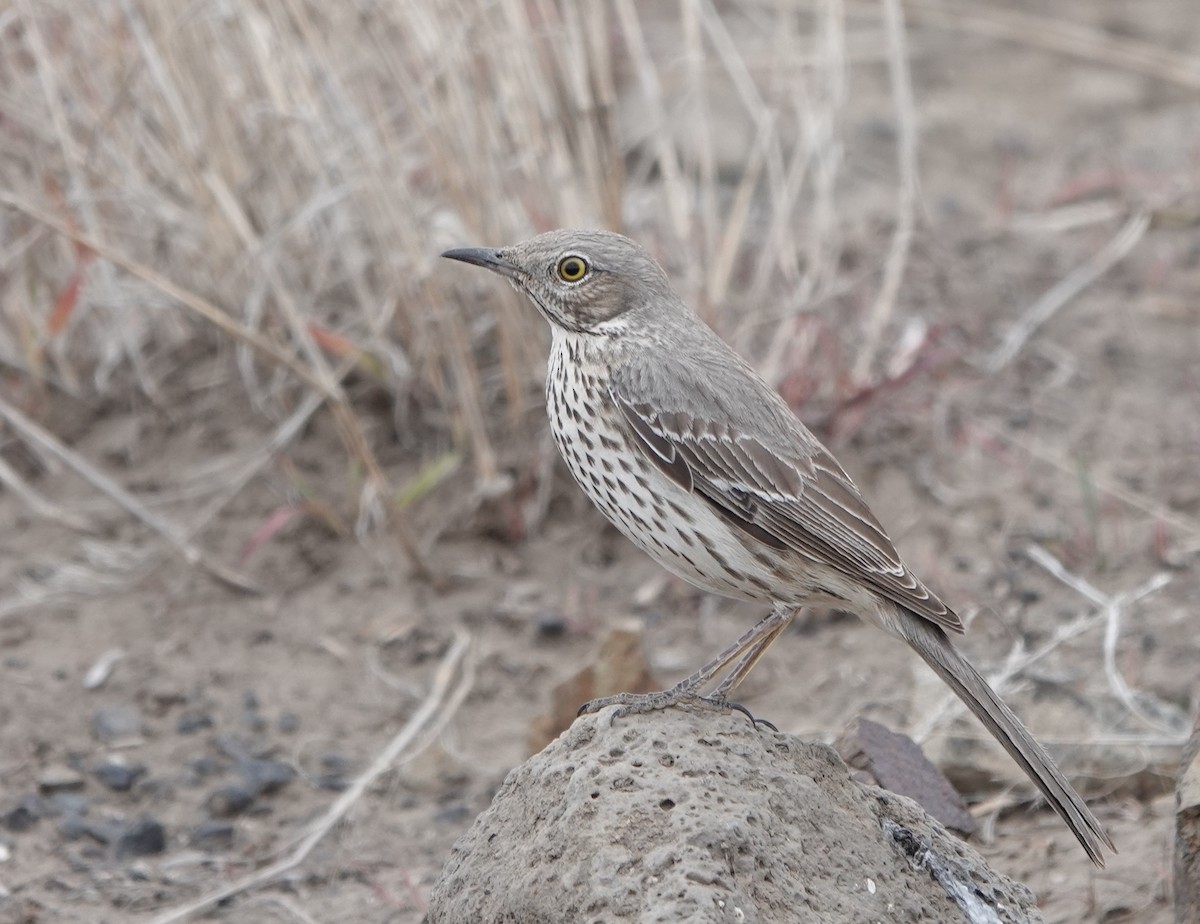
(229, 801)
(265, 776)
(192, 721)
(142, 838)
(692, 816)
(24, 815)
(212, 835)
(60, 777)
(896, 762)
(118, 775)
(68, 803)
(110, 723)
(1187, 833)
(289, 723)
(72, 826)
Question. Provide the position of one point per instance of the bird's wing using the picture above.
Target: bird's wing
(785, 490)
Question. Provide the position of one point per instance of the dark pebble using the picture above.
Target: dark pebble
(212, 835)
(116, 721)
(266, 776)
(72, 826)
(117, 775)
(454, 814)
(191, 722)
(551, 625)
(68, 803)
(334, 762)
(202, 767)
(24, 815)
(289, 723)
(229, 801)
(239, 748)
(332, 782)
(250, 701)
(142, 838)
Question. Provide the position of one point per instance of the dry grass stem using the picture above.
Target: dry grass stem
(906, 201)
(1063, 37)
(44, 442)
(1042, 310)
(1159, 715)
(422, 727)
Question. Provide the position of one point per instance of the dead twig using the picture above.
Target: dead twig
(1066, 289)
(1109, 612)
(1064, 37)
(323, 381)
(1146, 504)
(431, 716)
(906, 162)
(46, 442)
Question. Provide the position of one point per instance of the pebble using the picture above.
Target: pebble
(118, 775)
(454, 814)
(212, 835)
(68, 803)
(24, 815)
(266, 776)
(59, 777)
(229, 800)
(72, 826)
(551, 625)
(289, 722)
(142, 838)
(191, 722)
(199, 768)
(116, 721)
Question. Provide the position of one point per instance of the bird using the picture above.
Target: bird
(695, 458)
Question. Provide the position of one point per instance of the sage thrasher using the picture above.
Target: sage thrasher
(689, 452)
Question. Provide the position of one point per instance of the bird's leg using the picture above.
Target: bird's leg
(734, 678)
(748, 649)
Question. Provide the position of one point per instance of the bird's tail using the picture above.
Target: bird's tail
(931, 643)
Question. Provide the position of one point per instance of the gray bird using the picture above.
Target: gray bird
(696, 459)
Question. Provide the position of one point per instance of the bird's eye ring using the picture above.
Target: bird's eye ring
(572, 268)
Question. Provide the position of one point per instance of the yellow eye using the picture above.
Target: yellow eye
(572, 268)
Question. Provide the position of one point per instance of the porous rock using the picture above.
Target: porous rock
(695, 816)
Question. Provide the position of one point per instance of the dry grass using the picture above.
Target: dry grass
(278, 178)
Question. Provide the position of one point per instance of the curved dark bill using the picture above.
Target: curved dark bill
(486, 257)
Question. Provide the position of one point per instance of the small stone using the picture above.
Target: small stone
(266, 776)
(289, 723)
(72, 826)
(454, 814)
(551, 626)
(142, 838)
(192, 721)
(212, 835)
(229, 801)
(202, 767)
(24, 815)
(68, 803)
(116, 721)
(58, 778)
(332, 782)
(117, 775)
(334, 762)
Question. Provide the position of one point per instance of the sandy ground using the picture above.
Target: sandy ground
(1084, 446)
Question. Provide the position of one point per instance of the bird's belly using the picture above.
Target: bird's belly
(675, 528)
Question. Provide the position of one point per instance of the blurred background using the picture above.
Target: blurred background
(264, 456)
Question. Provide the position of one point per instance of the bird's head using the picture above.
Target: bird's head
(581, 281)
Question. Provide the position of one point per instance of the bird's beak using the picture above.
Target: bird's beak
(485, 257)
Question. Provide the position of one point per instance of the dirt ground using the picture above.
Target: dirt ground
(1084, 446)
